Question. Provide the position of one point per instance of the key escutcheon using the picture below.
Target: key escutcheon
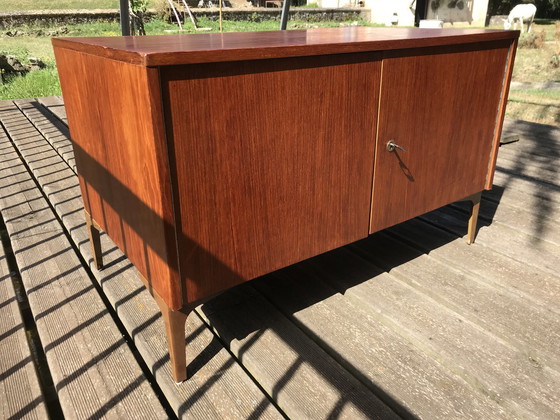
(392, 146)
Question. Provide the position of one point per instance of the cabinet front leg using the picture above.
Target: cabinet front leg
(94, 240)
(475, 200)
(175, 332)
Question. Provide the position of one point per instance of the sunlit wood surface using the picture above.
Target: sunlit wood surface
(411, 322)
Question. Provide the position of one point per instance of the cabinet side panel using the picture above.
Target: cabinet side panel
(274, 162)
(441, 104)
(116, 124)
(501, 114)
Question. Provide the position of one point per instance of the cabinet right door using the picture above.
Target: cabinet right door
(441, 105)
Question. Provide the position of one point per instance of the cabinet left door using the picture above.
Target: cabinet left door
(272, 162)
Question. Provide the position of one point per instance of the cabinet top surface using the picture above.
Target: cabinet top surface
(161, 50)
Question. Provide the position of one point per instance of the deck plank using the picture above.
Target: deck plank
(515, 194)
(533, 173)
(219, 387)
(52, 129)
(540, 137)
(517, 160)
(289, 365)
(500, 271)
(410, 322)
(527, 249)
(530, 167)
(92, 367)
(531, 328)
(484, 360)
(528, 184)
(55, 104)
(20, 393)
(541, 228)
(362, 341)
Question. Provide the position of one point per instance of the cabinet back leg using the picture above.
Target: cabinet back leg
(94, 240)
(475, 200)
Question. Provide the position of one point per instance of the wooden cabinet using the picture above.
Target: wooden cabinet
(213, 159)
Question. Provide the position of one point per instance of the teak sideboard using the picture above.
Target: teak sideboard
(212, 159)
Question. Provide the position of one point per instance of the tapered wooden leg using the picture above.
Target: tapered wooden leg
(475, 200)
(95, 241)
(175, 332)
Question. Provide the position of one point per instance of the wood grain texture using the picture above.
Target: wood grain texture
(501, 115)
(377, 347)
(465, 311)
(198, 48)
(270, 160)
(47, 115)
(340, 313)
(116, 124)
(523, 294)
(55, 105)
(218, 387)
(290, 364)
(93, 369)
(273, 162)
(20, 393)
(441, 104)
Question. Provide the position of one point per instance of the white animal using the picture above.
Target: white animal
(521, 13)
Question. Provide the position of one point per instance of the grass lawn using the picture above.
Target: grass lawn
(63, 4)
(540, 106)
(535, 65)
(531, 65)
(37, 83)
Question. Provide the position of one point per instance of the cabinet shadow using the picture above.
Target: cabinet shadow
(257, 321)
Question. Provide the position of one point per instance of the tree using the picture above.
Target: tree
(137, 10)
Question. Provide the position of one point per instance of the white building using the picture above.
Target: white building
(402, 12)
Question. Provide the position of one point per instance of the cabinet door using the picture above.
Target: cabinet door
(441, 105)
(273, 162)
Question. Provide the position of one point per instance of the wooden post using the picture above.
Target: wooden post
(125, 18)
(221, 17)
(284, 15)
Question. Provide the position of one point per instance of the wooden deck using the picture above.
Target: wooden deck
(410, 323)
